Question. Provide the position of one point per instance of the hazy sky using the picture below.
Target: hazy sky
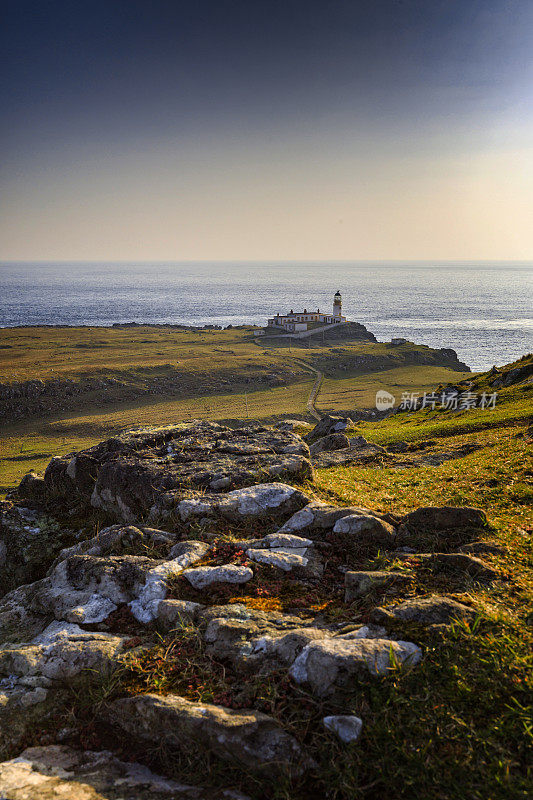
(320, 129)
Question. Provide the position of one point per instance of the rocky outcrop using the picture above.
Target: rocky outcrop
(150, 472)
(246, 738)
(56, 771)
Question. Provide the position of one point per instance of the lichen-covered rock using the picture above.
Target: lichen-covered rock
(29, 542)
(173, 614)
(326, 425)
(346, 727)
(334, 441)
(121, 539)
(246, 738)
(253, 644)
(260, 502)
(316, 520)
(366, 528)
(128, 475)
(57, 772)
(288, 553)
(332, 664)
(432, 610)
(202, 577)
(61, 651)
(358, 584)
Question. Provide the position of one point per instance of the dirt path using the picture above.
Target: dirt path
(313, 394)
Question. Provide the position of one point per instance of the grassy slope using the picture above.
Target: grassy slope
(460, 727)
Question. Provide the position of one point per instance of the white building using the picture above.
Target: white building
(296, 321)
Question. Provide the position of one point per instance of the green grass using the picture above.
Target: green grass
(359, 391)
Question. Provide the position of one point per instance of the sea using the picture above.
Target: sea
(483, 310)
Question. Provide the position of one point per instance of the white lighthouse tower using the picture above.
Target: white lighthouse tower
(337, 306)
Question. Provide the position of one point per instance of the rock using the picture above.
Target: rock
(288, 553)
(246, 738)
(432, 610)
(347, 728)
(334, 441)
(332, 664)
(61, 651)
(262, 501)
(58, 772)
(366, 528)
(118, 540)
(128, 475)
(33, 487)
(441, 528)
(481, 548)
(293, 424)
(328, 424)
(188, 551)
(172, 614)
(358, 451)
(358, 584)
(282, 558)
(318, 519)
(260, 642)
(29, 542)
(267, 501)
(202, 577)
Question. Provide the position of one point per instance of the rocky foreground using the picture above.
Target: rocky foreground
(195, 557)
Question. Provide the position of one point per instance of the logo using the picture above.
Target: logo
(384, 400)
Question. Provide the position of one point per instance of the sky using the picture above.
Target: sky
(258, 129)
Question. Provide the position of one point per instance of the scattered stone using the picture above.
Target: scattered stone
(318, 519)
(172, 614)
(328, 424)
(57, 771)
(202, 577)
(366, 528)
(358, 584)
(332, 664)
(246, 738)
(333, 441)
(293, 424)
(61, 651)
(347, 728)
(432, 610)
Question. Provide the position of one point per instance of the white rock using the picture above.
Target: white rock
(331, 663)
(255, 500)
(280, 558)
(201, 577)
(347, 728)
(302, 519)
(285, 540)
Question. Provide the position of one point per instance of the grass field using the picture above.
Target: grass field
(204, 366)
(359, 391)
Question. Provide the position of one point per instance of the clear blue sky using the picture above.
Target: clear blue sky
(264, 129)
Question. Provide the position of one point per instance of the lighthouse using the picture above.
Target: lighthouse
(337, 306)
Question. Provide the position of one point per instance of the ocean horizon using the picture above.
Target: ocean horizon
(480, 309)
